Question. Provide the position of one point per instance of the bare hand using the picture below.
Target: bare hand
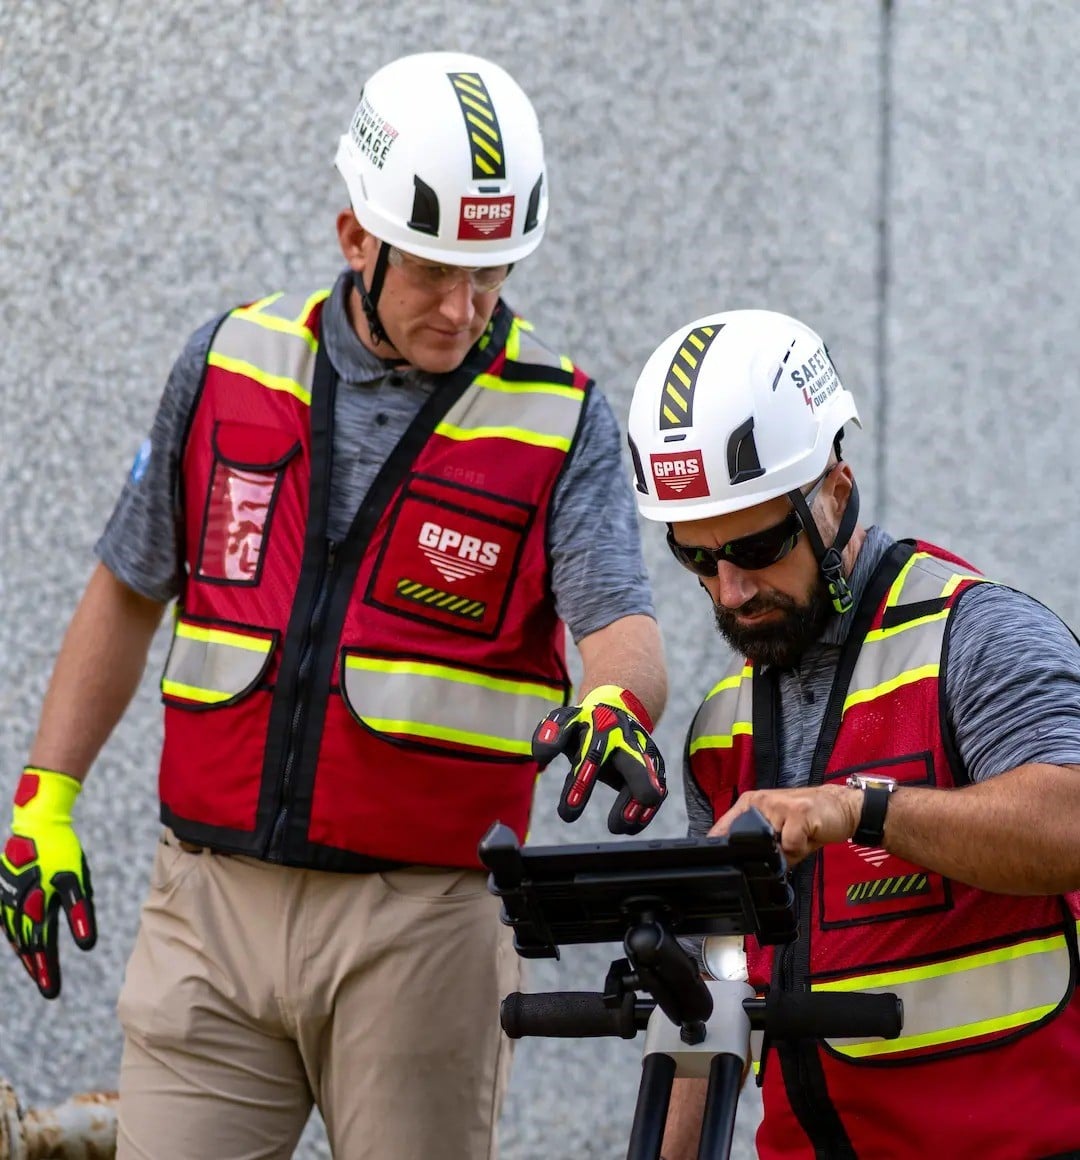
(804, 818)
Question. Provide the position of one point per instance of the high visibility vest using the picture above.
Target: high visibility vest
(345, 706)
(988, 1062)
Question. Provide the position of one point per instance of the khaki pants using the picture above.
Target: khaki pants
(256, 990)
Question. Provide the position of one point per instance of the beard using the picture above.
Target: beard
(781, 640)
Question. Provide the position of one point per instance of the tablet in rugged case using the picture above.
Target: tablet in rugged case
(593, 892)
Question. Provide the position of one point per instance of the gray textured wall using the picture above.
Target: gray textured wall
(901, 176)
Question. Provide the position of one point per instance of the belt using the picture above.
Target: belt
(170, 839)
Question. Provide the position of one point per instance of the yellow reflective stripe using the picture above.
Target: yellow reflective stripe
(883, 633)
(945, 1035)
(271, 382)
(261, 304)
(222, 636)
(731, 682)
(722, 740)
(945, 1001)
(513, 341)
(461, 676)
(192, 693)
(518, 434)
(494, 383)
(886, 979)
(959, 578)
(901, 576)
(445, 733)
(256, 313)
(907, 678)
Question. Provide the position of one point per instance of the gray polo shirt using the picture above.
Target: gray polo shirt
(1012, 686)
(598, 573)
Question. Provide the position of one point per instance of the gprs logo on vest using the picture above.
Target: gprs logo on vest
(679, 476)
(456, 555)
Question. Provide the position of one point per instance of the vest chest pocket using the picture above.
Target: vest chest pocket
(245, 478)
(450, 556)
(859, 885)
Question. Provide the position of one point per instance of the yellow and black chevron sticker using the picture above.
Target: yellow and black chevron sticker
(485, 137)
(430, 597)
(677, 403)
(888, 889)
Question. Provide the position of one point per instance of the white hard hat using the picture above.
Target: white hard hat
(733, 410)
(443, 158)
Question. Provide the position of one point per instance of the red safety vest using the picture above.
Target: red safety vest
(988, 1062)
(343, 706)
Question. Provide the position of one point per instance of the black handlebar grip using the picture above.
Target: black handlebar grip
(566, 1015)
(832, 1015)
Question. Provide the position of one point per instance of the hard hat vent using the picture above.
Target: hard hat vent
(742, 454)
(425, 208)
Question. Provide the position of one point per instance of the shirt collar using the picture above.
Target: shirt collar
(352, 361)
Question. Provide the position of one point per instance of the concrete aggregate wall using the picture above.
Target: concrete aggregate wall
(900, 175)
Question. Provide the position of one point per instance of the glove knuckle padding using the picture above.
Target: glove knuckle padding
(43, 870)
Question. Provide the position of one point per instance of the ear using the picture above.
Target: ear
(837, 491)
(356, 243)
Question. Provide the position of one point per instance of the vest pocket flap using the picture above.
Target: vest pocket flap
(215, 664)
(447, 707)
(252, 446)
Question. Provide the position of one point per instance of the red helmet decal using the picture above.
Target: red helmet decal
(485, 218)
(679, 475)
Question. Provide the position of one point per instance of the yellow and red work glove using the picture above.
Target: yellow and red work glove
(606, 738)
(42, 869)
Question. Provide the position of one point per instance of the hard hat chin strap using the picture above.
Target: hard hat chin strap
(829, 559)
(369, 298)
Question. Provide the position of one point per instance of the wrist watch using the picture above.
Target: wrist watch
(876, 791)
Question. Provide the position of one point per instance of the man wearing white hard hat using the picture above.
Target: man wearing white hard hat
(911, 731)
(378, 507)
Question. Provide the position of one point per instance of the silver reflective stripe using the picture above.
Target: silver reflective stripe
(967, 997)
(726, 712)
(908, 652)
(269, 343)
(926, 577)
(211, 665)
(522, 347)
(541, 414)
(898, 656)
(439, 702)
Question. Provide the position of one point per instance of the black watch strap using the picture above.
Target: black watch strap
(871, 829)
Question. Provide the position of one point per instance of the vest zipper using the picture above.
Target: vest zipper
(294, 742)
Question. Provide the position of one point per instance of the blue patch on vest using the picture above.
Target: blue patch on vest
(141, 462)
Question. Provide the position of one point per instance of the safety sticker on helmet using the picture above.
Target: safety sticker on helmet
(486, 218)
(679, 476)
(373, 136)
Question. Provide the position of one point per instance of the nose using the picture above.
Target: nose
(731, 587)
(457, 304)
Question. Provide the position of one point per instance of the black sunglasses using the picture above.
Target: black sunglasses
(748, 552)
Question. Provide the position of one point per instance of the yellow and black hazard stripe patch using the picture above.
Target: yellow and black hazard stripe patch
(485, 137)
(463, 606)
(888, 889)
(677, 402)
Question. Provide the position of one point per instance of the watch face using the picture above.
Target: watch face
(870, 781)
